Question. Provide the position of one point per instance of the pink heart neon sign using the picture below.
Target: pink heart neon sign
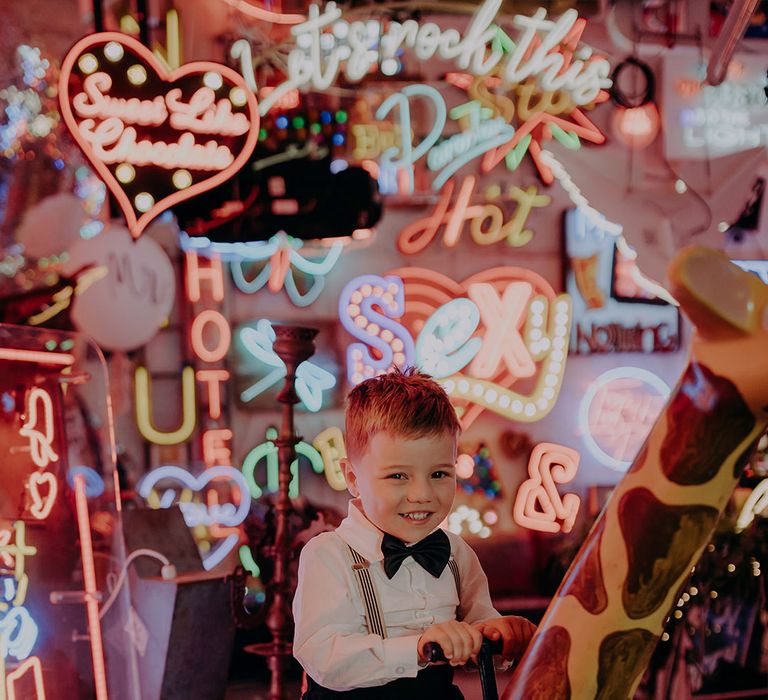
(155, 138)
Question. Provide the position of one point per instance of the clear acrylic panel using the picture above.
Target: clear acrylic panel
(65, 615)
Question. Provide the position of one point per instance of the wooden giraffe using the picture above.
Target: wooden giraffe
(602, 625)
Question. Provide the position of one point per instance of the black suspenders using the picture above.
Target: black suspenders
(374, 617)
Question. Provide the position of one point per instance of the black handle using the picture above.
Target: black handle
(433, 652)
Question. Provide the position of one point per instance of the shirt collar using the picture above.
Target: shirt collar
(360, 533)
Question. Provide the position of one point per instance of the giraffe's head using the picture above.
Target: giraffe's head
(719, 297)
(729, 308)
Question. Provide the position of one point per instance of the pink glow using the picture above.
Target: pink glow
(40, 441)
(29, 665)
(89, 577)
(265, 15)
(42, 505)
(195, 274)
(197, 330)
(213, 378)
(37, 356)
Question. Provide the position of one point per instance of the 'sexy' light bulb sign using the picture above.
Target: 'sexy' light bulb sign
(481, 338)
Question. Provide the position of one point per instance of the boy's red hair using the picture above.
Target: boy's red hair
(405, 403)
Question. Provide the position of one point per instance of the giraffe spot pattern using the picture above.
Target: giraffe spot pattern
(706, 410)
(639, 461)
(585, 580)
(743, 460)
(623, 657)
(547, 679)
(661, 541)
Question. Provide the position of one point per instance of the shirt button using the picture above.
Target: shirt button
(399, 670)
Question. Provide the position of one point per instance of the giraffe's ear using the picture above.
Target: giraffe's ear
(720, 298)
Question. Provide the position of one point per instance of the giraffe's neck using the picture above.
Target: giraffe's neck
(602, 625)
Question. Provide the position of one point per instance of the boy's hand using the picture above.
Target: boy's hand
(515, 632)
(459, 641)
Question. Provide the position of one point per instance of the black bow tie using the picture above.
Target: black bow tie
(432, 553)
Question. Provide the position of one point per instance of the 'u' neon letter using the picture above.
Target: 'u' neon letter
(144, 409)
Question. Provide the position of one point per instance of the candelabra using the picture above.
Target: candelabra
(293, 345)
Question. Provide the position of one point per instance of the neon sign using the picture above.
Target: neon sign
(477, 51)
(487, 224)
(267, 451)
(40, 441)
(282, 255)
(143, 401)
(616, 309)
(707, 121)
(211, 513)
(617, 413)
(35, 456)
(478, 337)
(311, 380)
(155, 138)
(538, 504)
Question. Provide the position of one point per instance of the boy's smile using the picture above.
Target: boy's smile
(406, 486)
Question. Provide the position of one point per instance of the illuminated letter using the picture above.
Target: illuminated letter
(409, 154)
(143, 409)
(445, 344)
(18, 633)
(392, 341)
(195, 274)
(197, 335)
(39, 440)
(213, 378)
(330, 444)
(215, 450)
(548, 464)
(41, 506)
(502, 317)
(31, 664)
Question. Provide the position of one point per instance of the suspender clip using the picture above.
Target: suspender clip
(360, 565)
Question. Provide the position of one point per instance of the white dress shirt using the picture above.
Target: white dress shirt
(331, 640)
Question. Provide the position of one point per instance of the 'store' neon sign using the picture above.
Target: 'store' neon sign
(155, 138)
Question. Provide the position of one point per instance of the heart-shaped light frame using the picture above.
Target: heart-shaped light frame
(136, 224)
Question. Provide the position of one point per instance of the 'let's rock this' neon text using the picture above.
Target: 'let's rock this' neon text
(475, 51)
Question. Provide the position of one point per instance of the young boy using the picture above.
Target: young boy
(388, 581)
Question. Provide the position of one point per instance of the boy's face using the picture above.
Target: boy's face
(406, 486)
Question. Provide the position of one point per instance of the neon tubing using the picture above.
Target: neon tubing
(37, 356)
(89, 578)
(144, 410)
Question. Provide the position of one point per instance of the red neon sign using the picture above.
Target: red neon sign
(155, 138)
